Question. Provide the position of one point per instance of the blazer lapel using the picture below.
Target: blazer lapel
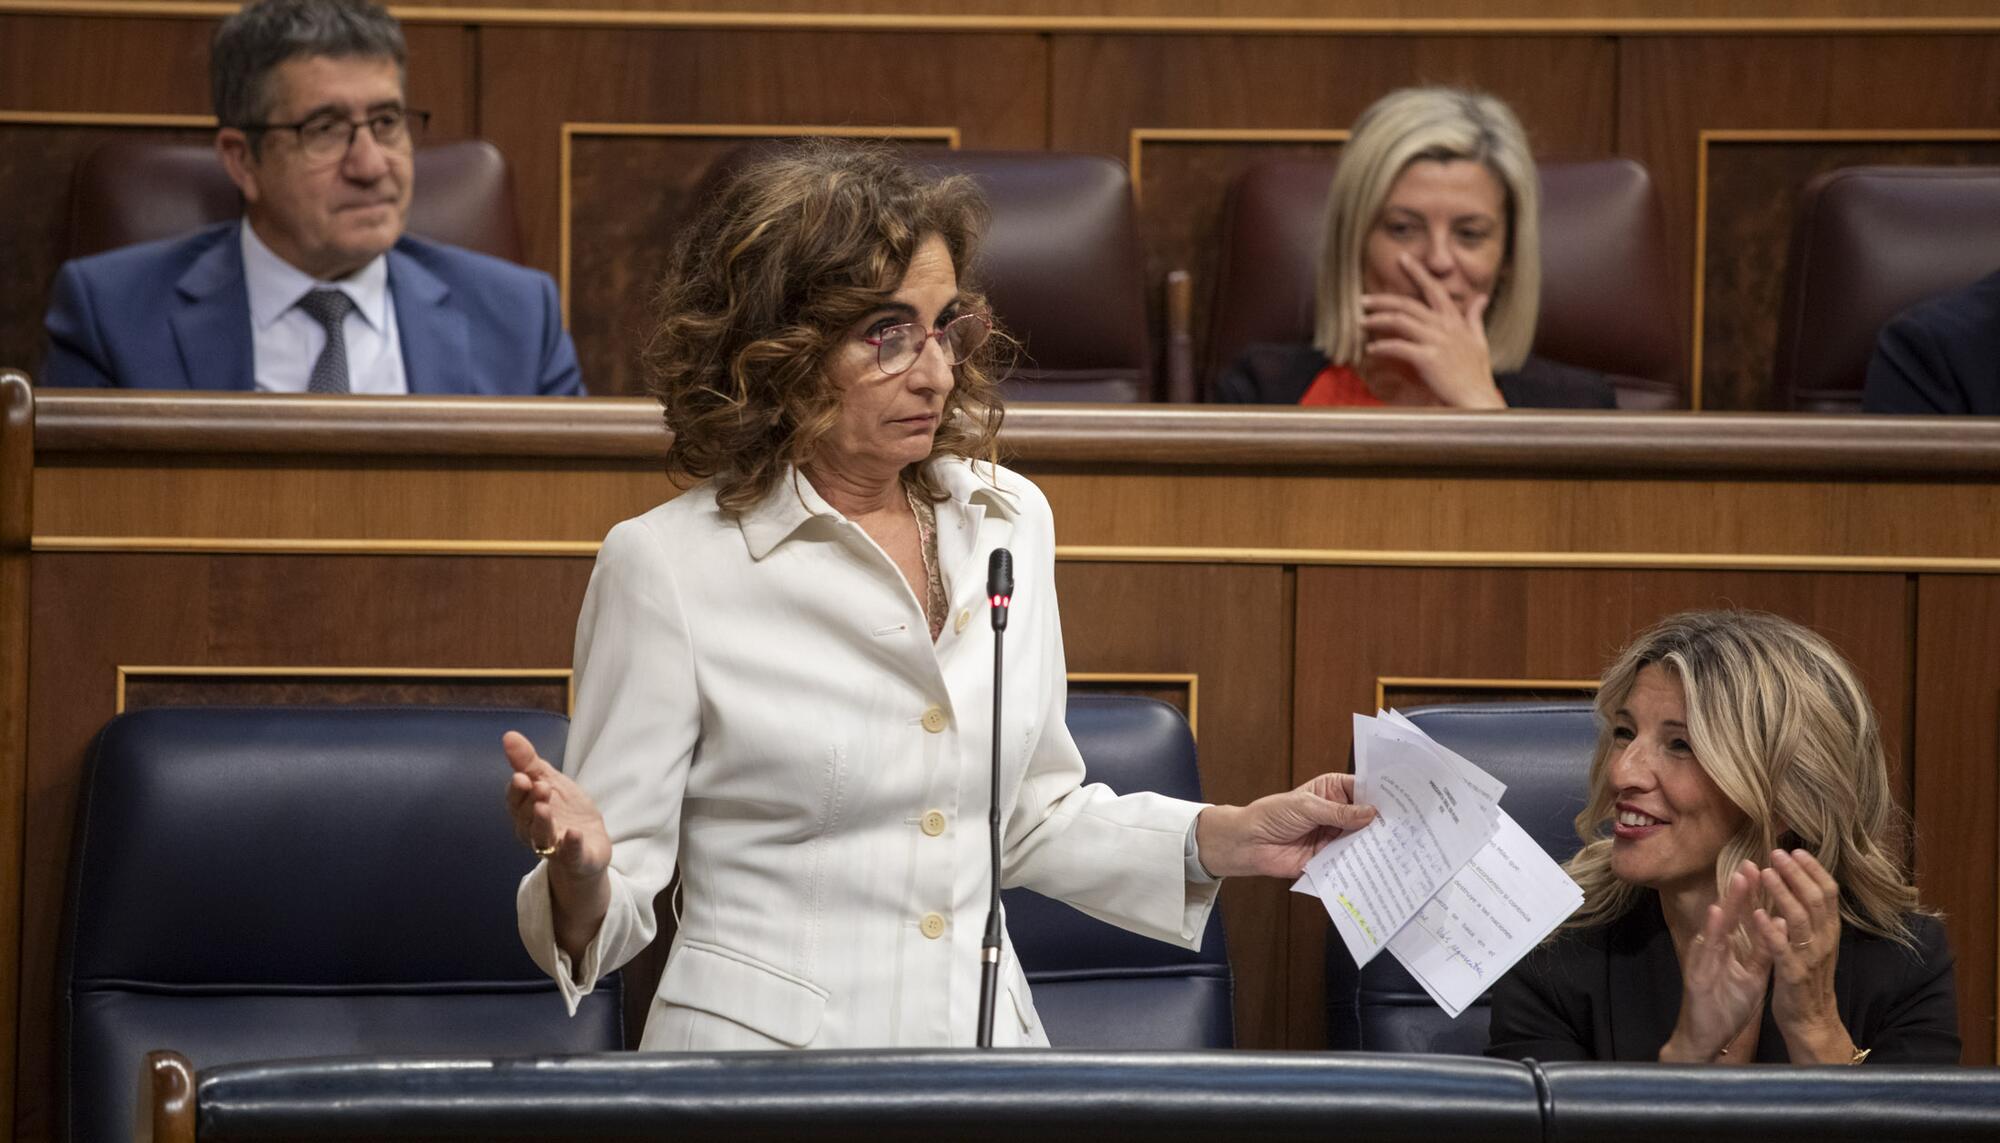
(211, 320)
(1644, 982)
(437, 345)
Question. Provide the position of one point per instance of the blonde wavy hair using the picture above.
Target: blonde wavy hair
(1445, 124)
(1778, 720)
(793, 248)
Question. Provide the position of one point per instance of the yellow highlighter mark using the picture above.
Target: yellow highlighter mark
(1358, 919)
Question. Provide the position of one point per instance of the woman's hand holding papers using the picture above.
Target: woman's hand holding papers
(1274, 835)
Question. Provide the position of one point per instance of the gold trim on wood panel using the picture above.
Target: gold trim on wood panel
(104, 119)
(946, 135)
(1384, 682)
(1709, 135)
(1140, 136)
(1192, 681)
(1075, 553)
(292, 546)
(1366, 557)
(548, 674)
(973, 22)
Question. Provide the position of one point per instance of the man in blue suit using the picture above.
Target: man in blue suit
(317, 288)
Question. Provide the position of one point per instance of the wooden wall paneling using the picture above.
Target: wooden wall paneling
(17, 457)
(1957, 735)
(1671, 88)
(991, 87)
(1359, 625)
(1257, 83)
(616, 243)
(1229, 627)
(97, 612)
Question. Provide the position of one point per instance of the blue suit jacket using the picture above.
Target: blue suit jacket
(175, 314)
(1940, 356)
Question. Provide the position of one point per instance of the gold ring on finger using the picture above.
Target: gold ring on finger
(544, 850)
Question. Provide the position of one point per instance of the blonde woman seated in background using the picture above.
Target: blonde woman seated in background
(1742, 844)
(1431, 276)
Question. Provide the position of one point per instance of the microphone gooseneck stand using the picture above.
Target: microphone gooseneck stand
(999, 593)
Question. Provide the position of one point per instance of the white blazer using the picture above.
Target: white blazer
(759, 700)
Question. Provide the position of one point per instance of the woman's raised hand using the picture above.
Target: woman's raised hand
(552, 815)
(1433, 338)
(1723, 976)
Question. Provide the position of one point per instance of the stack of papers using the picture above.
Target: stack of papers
(1442, 878)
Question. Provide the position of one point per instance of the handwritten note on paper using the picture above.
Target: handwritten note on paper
(1496, 908)
(1431, 819)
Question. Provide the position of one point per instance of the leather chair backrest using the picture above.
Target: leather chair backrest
(1542, 752)
(1061, 266)
(1868, 243)
(1059, 263)
(272, 882)
(1096, 985)
(127, 192)
(1605, 303)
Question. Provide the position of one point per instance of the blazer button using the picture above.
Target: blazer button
(934, 720)
(932, 926)
(964, 617)
(933, 823)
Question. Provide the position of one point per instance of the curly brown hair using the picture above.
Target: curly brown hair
(795, 246)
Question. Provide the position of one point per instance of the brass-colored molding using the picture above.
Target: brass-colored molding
(1190, 680)
(1502, 686)
(1708, 135)
(1168, 25)
(103, 118)
(293, 546)
(570, 131)
(1140, 136)
(1082, 553)
(546, 674)
(1369, 557)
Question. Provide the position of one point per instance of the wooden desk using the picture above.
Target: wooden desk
(1271, 571)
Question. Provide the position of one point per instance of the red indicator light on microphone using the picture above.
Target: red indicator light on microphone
(1001, 600)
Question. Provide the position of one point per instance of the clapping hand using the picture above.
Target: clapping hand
(1434, 339)
(1802, 941)
(1724, 976)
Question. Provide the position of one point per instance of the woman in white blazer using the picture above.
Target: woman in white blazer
(784, 674)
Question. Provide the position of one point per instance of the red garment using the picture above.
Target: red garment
(1339, 385)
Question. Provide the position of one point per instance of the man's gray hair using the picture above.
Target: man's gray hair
(251, 43)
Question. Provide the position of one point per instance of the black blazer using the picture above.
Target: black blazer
(1940, 356)
(1613, 992)
(1271, 374)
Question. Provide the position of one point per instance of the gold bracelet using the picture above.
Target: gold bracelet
(1860, 1054)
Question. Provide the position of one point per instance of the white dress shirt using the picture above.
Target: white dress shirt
(285, 340)
(758, 702)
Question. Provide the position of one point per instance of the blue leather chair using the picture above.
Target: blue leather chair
(1542, 752)
(271, 882)
(1096, 985)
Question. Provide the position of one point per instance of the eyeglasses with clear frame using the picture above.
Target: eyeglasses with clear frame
(327, 137)
(898, 347)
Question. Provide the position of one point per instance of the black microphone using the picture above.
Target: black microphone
(999, 593)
